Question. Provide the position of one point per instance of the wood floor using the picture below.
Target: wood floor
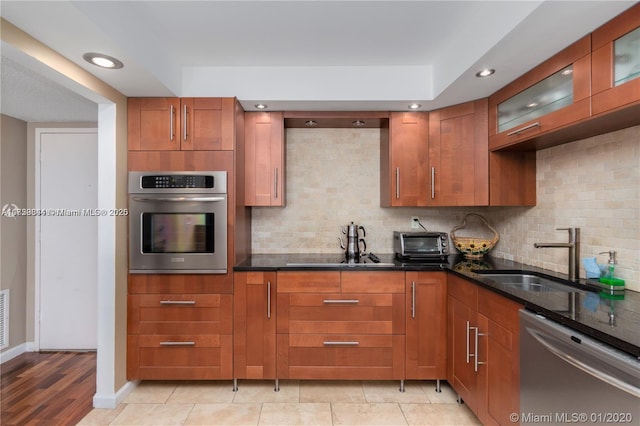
(50, 388)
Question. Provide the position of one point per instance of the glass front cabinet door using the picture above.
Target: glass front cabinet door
(551, 96)
(616, 62)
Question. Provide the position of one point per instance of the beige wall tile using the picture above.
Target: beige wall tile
(333, 178)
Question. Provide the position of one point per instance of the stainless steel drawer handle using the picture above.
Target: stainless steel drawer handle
(177, 302)
(397, 182)
(467, 340)
(275, 183)
(177, 343)
(269, 299)
(184, 124)
(522, 129)
(171, 128)
(433, 183)
(340, 301)
(341, 343)
(476, 361)
(413, 299)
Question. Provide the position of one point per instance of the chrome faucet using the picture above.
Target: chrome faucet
(574, 251)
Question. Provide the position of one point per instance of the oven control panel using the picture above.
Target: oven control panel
(176, 181)
(182, 182)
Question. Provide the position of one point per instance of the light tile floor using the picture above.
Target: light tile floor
(298, 403)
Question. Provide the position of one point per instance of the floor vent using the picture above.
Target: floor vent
(4, 319)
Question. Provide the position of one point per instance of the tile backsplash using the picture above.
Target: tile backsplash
(333, 178)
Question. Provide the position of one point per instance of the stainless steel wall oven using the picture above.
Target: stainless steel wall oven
(178, 222)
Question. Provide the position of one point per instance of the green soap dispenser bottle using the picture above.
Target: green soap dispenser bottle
(609, 279)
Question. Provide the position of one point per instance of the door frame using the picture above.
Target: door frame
(39, 131)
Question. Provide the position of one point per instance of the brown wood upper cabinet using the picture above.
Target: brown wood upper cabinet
(264, 159)
(203, 124)
(553, 95)
(438, 158)
(404, 151)
(458, 155)
(616, 63)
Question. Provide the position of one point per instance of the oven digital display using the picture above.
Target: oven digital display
(178, 233)
(177, 181)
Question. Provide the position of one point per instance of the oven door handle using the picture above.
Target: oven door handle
(180, 199)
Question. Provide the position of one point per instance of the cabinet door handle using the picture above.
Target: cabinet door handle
(339, 301)
(171, 127)
(341, 343)
(475, 356)
(397, 182)
(177, 343)
(269, 299)
(413, 299)
(275, 183)
(522, 129)
(184, 123)
(177, 302)
(433, 183)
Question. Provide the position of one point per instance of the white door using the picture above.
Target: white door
(68, 183)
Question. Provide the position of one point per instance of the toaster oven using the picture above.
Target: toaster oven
(421, 245)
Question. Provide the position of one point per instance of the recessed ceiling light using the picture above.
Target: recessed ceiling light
(485, 72)
(414, 106)
(532, 104)
(311, 123)
(357, 123)
(567, 71)
(102, 60)
(261, 106)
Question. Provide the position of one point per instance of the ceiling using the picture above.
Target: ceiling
(308, 55)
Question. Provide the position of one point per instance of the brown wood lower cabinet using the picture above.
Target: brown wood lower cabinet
(176, 331)
(483, 366)
(254, 325)
(426, 349)
(340, 325)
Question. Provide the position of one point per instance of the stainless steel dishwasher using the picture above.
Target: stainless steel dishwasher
(568, 377)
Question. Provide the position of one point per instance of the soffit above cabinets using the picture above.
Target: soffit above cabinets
(320, 55)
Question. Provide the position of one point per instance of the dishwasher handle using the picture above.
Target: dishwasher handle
(589, 369)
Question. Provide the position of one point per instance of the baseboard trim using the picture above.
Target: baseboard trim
(10, 354)
(111, 401)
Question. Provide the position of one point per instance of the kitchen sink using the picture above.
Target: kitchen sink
(526, 282)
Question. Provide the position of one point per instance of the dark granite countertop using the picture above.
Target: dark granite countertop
(613, 320)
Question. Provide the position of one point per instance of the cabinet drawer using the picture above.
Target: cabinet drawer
(462, 290)
(183, 357)
(309, 282)
(499, 309)
(180, 284)
(172, 314)
(372, 282)
(357, 356)
(342, 313)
